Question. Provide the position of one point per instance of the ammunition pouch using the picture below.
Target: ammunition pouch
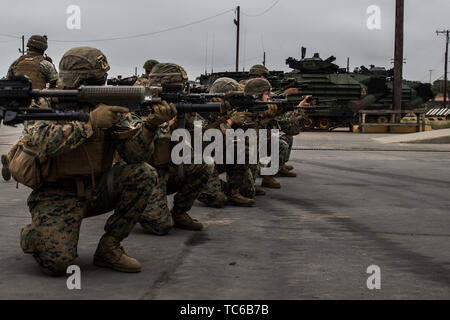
(26, 164)
(163, 148)
(90, 160)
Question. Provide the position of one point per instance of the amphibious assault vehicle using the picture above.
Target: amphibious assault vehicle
(341, 94)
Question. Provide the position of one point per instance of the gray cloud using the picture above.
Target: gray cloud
(327, 26)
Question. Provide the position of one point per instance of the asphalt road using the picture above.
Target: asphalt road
(355, 203)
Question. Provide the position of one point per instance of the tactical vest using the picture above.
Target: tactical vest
(90, 160)
(30, 66)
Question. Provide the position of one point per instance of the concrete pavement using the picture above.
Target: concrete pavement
(355, 203)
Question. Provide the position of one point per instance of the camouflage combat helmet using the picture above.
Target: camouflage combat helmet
(224, 85)
(149, 64)
(167, 73)
(82, 63)
(258, 70)
(257, 86)
(37, 42)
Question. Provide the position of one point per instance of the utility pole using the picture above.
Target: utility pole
(431, 71)
(237, 22)
(212, 52)
(446, 32)
(23, 45)
(206, 55)
(264, 59)
(398, 55)
(348, 64)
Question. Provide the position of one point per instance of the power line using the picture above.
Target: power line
(149, 33)
(264, 12)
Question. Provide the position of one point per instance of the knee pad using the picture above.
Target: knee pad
(53, 266)
(31, 240)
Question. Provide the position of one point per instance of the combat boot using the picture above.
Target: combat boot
(183, 221)
(110, 254)
(237, 199)
(259, 191)
(288, 167)
(285, 173)
(270, 182)
(6, 174)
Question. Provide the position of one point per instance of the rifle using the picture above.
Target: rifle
(179, 95)
(174, 94)
(16, 95)
(283, 96)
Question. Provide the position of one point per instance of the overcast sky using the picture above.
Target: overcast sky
(329, 27)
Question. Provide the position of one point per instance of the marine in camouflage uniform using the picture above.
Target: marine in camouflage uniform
(143, 80)
(260, 71)
(75, 188)
(33, 64)
(288, 123)
(218, 193)
(291, 122)
(185, 180)
(290, 126)
(255, 72)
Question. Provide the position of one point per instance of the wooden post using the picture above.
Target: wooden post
(398, 56)
(446, 32)
(237, 22)
(445, 68)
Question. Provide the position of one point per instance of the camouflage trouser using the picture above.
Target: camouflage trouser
(247, 188)
(213, 194)
(285, 149)
(216, 190)
(290, 141)
(240, 176)
(157, 218)
(57, 212)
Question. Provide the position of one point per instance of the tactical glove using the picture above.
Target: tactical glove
(270, 112)
(238, 119)
(162, 112)
(104, 117)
